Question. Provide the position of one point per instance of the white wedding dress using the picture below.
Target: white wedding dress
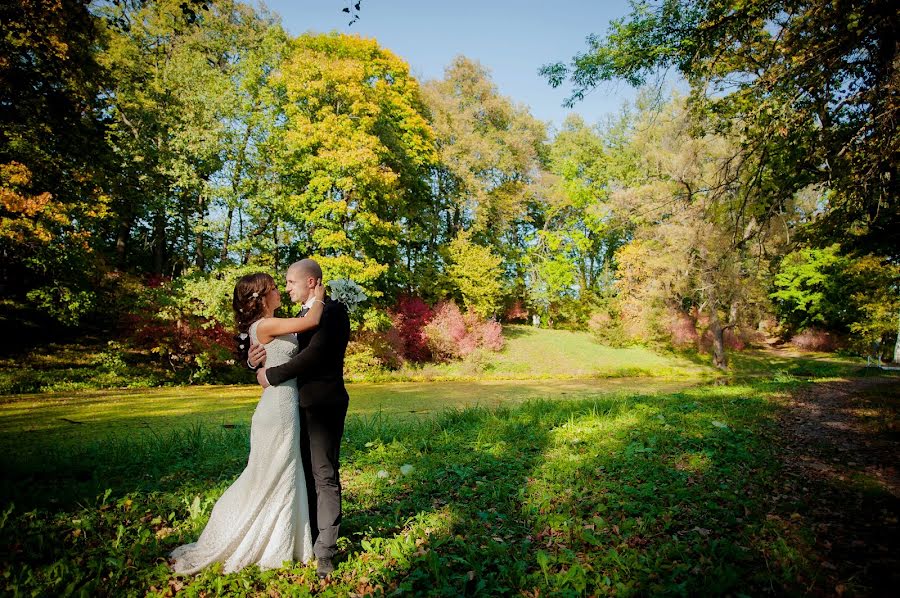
(263, 517)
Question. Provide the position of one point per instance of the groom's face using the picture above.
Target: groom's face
(299, 285)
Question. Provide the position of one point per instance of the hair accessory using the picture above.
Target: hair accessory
(255, 295)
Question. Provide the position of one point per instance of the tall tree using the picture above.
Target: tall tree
(697, 243)
(355, 158)
(814, 83)
(577, 230)
(490, 150)
(50, 145)
(185, 112)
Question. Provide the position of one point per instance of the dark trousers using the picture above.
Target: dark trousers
(321, 428)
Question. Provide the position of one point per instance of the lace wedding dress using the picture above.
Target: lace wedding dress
(263, 517)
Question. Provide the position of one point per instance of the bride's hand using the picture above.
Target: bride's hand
(319, 291)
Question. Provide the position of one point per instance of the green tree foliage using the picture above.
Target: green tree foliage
(875, 297)
(814, 84)
(355, 152)
(570, 253)
(50, 143)
(810, 288)
(477, 273)
(695, 244)
(855, 295)
(180, 118)
(490, 150)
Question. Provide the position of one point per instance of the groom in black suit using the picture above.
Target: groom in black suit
(319, 370)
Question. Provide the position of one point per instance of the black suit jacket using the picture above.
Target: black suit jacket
(319, 366)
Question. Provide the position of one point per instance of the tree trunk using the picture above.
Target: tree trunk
(720, 359)
(227, 236)
(255, 233)
(122, 241)
(235, 184)
(275, 243)
(199, 251)
(159, 241)
(897, 342)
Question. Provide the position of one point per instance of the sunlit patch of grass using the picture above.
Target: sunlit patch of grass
(530, 353)
(693, 462)
(30, 423)
(535, 353)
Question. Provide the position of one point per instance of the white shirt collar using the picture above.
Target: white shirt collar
(309, 302)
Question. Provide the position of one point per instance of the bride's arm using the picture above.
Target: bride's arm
(269, 328)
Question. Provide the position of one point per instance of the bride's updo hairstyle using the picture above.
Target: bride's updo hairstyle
(248, 298)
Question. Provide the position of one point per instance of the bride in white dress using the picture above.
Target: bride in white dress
(263, 517)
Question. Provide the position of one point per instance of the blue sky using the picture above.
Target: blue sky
(512, 38)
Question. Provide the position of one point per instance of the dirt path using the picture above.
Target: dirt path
(841, 444)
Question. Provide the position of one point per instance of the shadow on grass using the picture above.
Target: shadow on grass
(518, 331)
(840, 443)
(756, 363)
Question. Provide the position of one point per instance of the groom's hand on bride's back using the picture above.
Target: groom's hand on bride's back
(256, 357)
(261, 378)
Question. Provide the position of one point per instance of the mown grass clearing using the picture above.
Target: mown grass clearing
(33, 425)
(529, 354)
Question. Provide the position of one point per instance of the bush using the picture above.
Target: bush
(167, 324)
(409, 317)
(607, 329)
(361, 362)
(516, 312)
(452, 335)
(683, 330)
(386, 347)
(815, 339)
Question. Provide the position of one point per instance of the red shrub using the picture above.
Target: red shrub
(813, 339)
(410, 316)
(185, 343)
(452, 335)
(183, 340)
(492, 335)
(445, 331)
(516, 312)
(682, 330)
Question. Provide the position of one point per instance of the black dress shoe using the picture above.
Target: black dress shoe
(324, 567)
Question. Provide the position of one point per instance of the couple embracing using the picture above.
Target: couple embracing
(286, 505)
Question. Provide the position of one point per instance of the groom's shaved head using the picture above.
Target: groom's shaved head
(306, 268)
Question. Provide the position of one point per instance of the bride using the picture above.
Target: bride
(263, 517)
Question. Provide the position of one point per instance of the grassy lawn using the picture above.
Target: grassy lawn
(534, 353)
(32, 425)
(611, 491)
(529, 354)
(560, 479)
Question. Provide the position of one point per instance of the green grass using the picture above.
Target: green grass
(607, 492)
(529, 354)
(81, 366)
(534, 353)
(31, 425)
(551, 474)
(797, 364)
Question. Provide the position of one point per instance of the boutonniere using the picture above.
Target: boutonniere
(347, 292)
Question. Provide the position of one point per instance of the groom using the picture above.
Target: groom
(319, 369)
